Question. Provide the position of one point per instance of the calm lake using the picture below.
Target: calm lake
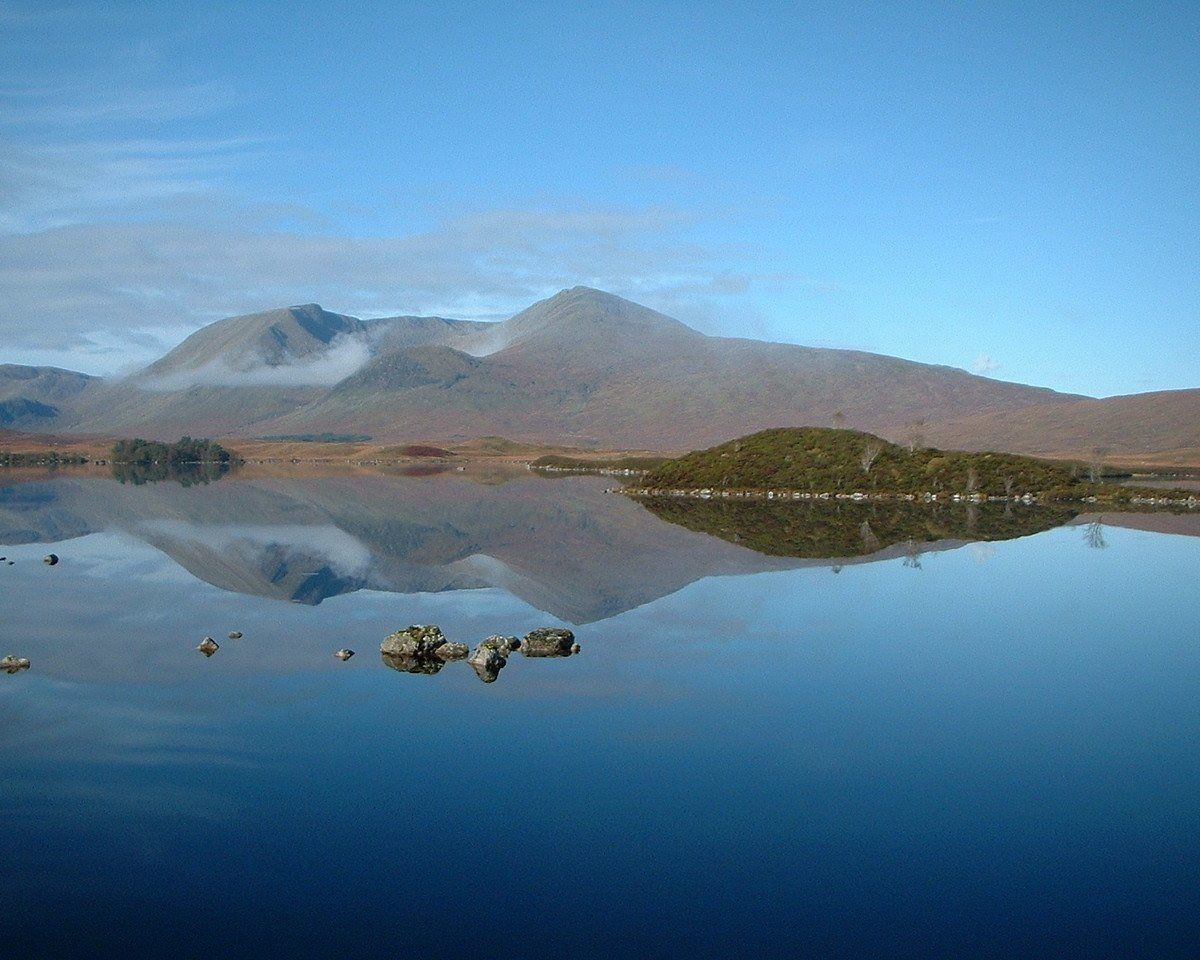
(912, 746)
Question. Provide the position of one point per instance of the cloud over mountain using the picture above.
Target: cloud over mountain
(346, 355)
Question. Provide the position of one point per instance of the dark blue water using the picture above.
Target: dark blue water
(994, 753)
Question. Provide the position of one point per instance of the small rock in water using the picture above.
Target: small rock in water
(489, 657)
(11, 664)
(50, 559)
(548, 642)
(234, 634)
(344, 654)
(208, 646)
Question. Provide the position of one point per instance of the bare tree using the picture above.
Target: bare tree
(870, 454)
(1093, 534)
(1009, 482)
(972, 480)
(914, 434)
(839, 420)
(1096, 467)
(912, 555)
(869, 540)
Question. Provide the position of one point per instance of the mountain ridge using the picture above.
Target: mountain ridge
(583, 367)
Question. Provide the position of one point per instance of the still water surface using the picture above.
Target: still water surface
(961, 750)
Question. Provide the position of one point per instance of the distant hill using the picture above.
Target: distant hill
(23, 411)
(30, 397)
(1158, 428)
(46, 384)
(582, 368)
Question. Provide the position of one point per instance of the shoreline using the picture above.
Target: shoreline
(784, 495)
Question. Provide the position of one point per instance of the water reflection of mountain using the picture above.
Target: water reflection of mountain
(563, 546)
(846, 529)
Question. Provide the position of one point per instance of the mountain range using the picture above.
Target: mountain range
(582, 368)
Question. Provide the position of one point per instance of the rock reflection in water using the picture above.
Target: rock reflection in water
(822, 529)
(423, 648)
(11, 664)
(491, 656)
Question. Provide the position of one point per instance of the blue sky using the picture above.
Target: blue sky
(1010, 188)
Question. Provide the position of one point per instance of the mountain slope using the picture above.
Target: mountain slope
(588, 367)
(29, 396)
(1158, 427)
(398, 333)
(583, 367)
(42, 384)
(270, 339)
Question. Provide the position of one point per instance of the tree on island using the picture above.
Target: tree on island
(188, 461)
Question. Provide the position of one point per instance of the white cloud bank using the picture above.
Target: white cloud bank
(345, 356)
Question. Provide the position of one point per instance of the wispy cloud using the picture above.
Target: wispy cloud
(984, 365)
(55, 184)
(49, 107)
(78, 287)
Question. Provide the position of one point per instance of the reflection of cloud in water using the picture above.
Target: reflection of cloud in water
(344, 554)
(116, 554)
(981, 552)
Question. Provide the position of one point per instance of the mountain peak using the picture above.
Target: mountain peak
(269, 338)
(585, 313)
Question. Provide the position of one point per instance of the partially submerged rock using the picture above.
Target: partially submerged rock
(11, 664)
(491, 655)
(50, 559)
(234, 634)
(420, 648)
(344, 654)
(208, 646)
(549, 642)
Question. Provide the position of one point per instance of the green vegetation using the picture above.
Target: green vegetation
(833, 528)
(816, 461)
(320, 437)
(185, 451)
(188, 461)
(556, 462)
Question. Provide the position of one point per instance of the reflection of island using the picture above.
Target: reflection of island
(845, 529)
(185, 474)
(565, 547)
